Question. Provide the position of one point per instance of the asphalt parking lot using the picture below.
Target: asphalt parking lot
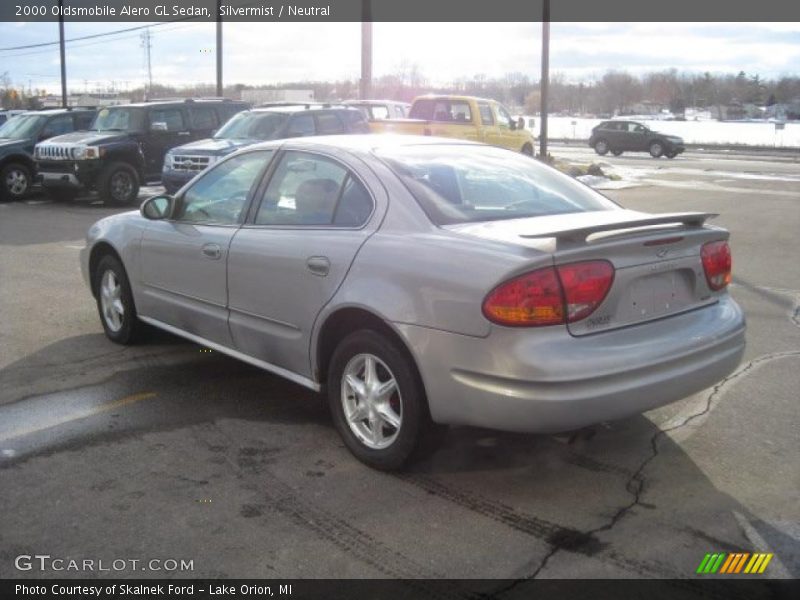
(168, 451)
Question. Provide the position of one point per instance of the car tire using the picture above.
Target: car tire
(115, 301)
(119, 184)
(601, 147)
(616, 152)
(15, 182)
(656, 149)
(60, 195)
(527, 150)
(384, 431)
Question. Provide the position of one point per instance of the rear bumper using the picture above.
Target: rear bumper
(546, 380)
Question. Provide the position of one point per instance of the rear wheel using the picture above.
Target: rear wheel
(601, 147)
(119, 184)
(15, 182)
(377, 401)
(115, 301)
(656, 149)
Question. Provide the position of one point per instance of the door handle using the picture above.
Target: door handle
(212, 251)
(319, 265)
(184, 133)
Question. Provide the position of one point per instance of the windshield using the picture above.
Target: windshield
(465, 184)
(252, 126)
(119, 119)
(22, 127)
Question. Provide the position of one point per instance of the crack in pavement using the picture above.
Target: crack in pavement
(635, 485)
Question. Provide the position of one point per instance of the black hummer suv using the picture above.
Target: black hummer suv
(272, 122)
(18, 136)
(620, 136)
(125, 146)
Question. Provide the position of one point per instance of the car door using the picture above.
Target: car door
(183, 259)
(287, 262)
(505, 136)
(168, 127)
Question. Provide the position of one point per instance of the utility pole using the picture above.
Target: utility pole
(219, 49)
(365, 87)
(146, 44)
(545, 82)
(62, 53)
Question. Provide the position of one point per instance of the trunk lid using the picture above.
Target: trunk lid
(656, 258)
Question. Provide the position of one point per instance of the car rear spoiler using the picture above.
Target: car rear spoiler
(579, 235)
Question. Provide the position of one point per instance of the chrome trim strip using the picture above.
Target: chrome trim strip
(263, 318)
(285, 373)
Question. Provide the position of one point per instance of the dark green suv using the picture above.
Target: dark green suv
(125, 146)
(18, 136)
(620, 136)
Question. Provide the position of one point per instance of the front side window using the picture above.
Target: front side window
(486, 114)
(58, 126)
(329, 124)
(167, 119)
(463, 184)
(503, 118)
(301, 125)
(307, 189)
(220, 194)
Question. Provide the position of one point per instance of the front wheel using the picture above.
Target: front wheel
(656, 149)
(115, 301)
(601, 147)
(15, 182)
(119, 184)
(377, 400)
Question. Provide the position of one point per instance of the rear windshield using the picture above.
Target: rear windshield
(253, 126)
(467, 184)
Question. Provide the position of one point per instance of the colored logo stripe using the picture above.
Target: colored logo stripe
(734, 562)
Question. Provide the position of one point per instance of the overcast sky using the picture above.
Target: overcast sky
(259, 53)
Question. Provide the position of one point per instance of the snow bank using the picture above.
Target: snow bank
(693, 132)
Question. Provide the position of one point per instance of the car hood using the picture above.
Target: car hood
(213, 147)
(89, 138)
(7, 144)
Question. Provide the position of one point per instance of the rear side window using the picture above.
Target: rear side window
(379, 111)
(329, 124)
(307, 189)
(203, 117)
(171, 117)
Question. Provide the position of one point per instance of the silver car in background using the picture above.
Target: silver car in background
(423, 282)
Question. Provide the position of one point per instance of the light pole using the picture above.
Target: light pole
(62, 53)
(545, 82)
(219, 49)
(365, 87)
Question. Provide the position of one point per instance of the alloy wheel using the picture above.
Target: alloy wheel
(111, 301)
(16, 182)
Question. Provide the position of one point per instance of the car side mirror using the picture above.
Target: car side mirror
(157, 208)
(158, 126)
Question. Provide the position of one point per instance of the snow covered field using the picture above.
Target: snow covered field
(692, 132)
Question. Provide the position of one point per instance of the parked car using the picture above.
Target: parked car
(380, 109)
(422, 282)
(629, 136)
(18, 137)
(461, 117)
(183, 163)
(125, 146)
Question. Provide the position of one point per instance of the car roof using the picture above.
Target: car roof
(179, 102)
(311, 108)
(362, 143)
(456, 97)
(58, 111)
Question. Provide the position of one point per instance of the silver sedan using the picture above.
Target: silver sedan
(422, 282)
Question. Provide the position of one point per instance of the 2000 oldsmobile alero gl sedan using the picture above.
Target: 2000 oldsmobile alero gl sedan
(423, 282)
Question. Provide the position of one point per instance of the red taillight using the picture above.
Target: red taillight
(550, 296)
(716, 258)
